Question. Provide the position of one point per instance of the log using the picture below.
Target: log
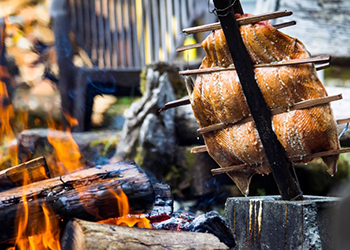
(80, 235)
(87, 194)
(33, 170)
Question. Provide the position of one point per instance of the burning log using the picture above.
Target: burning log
(36, 170)
(90, 194)
(79, 235)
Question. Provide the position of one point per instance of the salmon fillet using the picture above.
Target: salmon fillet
(218, 98)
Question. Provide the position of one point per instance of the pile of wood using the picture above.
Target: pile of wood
(82, 198)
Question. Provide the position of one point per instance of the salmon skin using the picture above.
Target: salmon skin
(218, 98)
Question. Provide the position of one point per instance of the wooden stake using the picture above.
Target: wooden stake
(199, 149)
(176, 103)
(322, 66)
(345, 120)
(199, 45)
(276, 111)
(241, 21)
(241, 167)
(316, 59)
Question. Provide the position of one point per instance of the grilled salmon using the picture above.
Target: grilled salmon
(218, 98)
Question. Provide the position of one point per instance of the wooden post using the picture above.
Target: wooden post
(275, 153)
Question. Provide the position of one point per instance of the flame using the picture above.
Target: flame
(6, 109)
(126, 219)
(29, 239)
(66, 150)
(6, 116)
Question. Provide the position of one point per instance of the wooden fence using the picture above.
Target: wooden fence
(133, 33)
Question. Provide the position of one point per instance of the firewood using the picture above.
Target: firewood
(35, 170)
(80, 235)
(87, 194)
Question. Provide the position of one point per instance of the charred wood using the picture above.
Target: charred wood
(79, 235)
(25, 173)
(87, 194)
(163, 204)
(210, 222)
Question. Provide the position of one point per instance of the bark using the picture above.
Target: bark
(87, 194)
(79, 235)
(25, 173)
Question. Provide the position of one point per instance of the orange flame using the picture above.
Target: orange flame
(6, 109)
(66, 150)
(6, 116)
(25, 240)
(125, 218)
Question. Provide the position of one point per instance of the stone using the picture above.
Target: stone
(267, 222)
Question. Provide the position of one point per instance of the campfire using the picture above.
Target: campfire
(61, 200)
(54, 202)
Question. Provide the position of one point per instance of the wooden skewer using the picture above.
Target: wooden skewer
(322, 66)
(217, 171)
(241, 167)
(276, 111)
(176, 103)
(186, 101)
(316, 59)
(284, 25)
(199, 45)
(199, 149)
(241, 21)
(345, 120)
(190, 46)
